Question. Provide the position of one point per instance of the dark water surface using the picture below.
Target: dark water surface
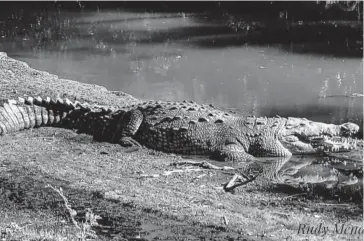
(174, 57)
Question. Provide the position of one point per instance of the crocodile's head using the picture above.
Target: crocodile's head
(302, 136)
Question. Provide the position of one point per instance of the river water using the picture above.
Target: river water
(173, 57)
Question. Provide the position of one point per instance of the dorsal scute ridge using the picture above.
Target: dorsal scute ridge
(12, 102)
(38, 101)
(21, 100)
(68, 103)
(58, 104)
(29, 100)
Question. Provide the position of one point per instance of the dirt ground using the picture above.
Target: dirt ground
(118, 185)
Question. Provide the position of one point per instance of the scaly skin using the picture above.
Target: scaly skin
(37, 112)
(189, 128)
(181, 128)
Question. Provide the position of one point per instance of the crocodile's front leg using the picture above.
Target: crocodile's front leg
(268, 146)
(127, 127)
(234, 153)
(247, 164)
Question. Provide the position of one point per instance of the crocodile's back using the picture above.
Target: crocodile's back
(182, 127)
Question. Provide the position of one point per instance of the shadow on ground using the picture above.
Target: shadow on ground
(26, 190)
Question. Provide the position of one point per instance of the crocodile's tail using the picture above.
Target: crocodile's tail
(32, 112)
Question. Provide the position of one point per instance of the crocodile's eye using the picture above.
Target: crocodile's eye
(303, 124)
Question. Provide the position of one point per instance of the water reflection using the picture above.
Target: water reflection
(332, 176)
(325, 176)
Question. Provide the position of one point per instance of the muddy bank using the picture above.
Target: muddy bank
(109, 180)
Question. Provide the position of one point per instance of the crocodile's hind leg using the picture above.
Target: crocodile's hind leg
(127, 126)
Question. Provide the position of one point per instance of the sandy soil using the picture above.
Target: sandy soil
(110, 180)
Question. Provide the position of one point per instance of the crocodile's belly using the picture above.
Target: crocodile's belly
(175, 140)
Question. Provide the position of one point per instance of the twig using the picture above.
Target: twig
(90, 217)
(149, 176)
(200, 176)
(225, 220)
(203, 164)
(334, 204)
(230, 186)
(232, 181)
(294, 195)
(68, 207)
(167, 173)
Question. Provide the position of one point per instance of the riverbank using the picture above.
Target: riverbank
(124, 188)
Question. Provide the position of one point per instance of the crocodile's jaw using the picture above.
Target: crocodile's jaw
(301, 136)
(318, 145)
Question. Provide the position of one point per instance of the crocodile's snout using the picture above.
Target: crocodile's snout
(349, 129)
(314, 137)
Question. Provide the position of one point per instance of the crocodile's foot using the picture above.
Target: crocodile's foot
(129, 142)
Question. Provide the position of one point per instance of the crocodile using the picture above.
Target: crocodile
(182, 128)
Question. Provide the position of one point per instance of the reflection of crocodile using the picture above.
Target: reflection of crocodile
(353, 155)
(318, 175)
(343, 178)
(182, 128)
